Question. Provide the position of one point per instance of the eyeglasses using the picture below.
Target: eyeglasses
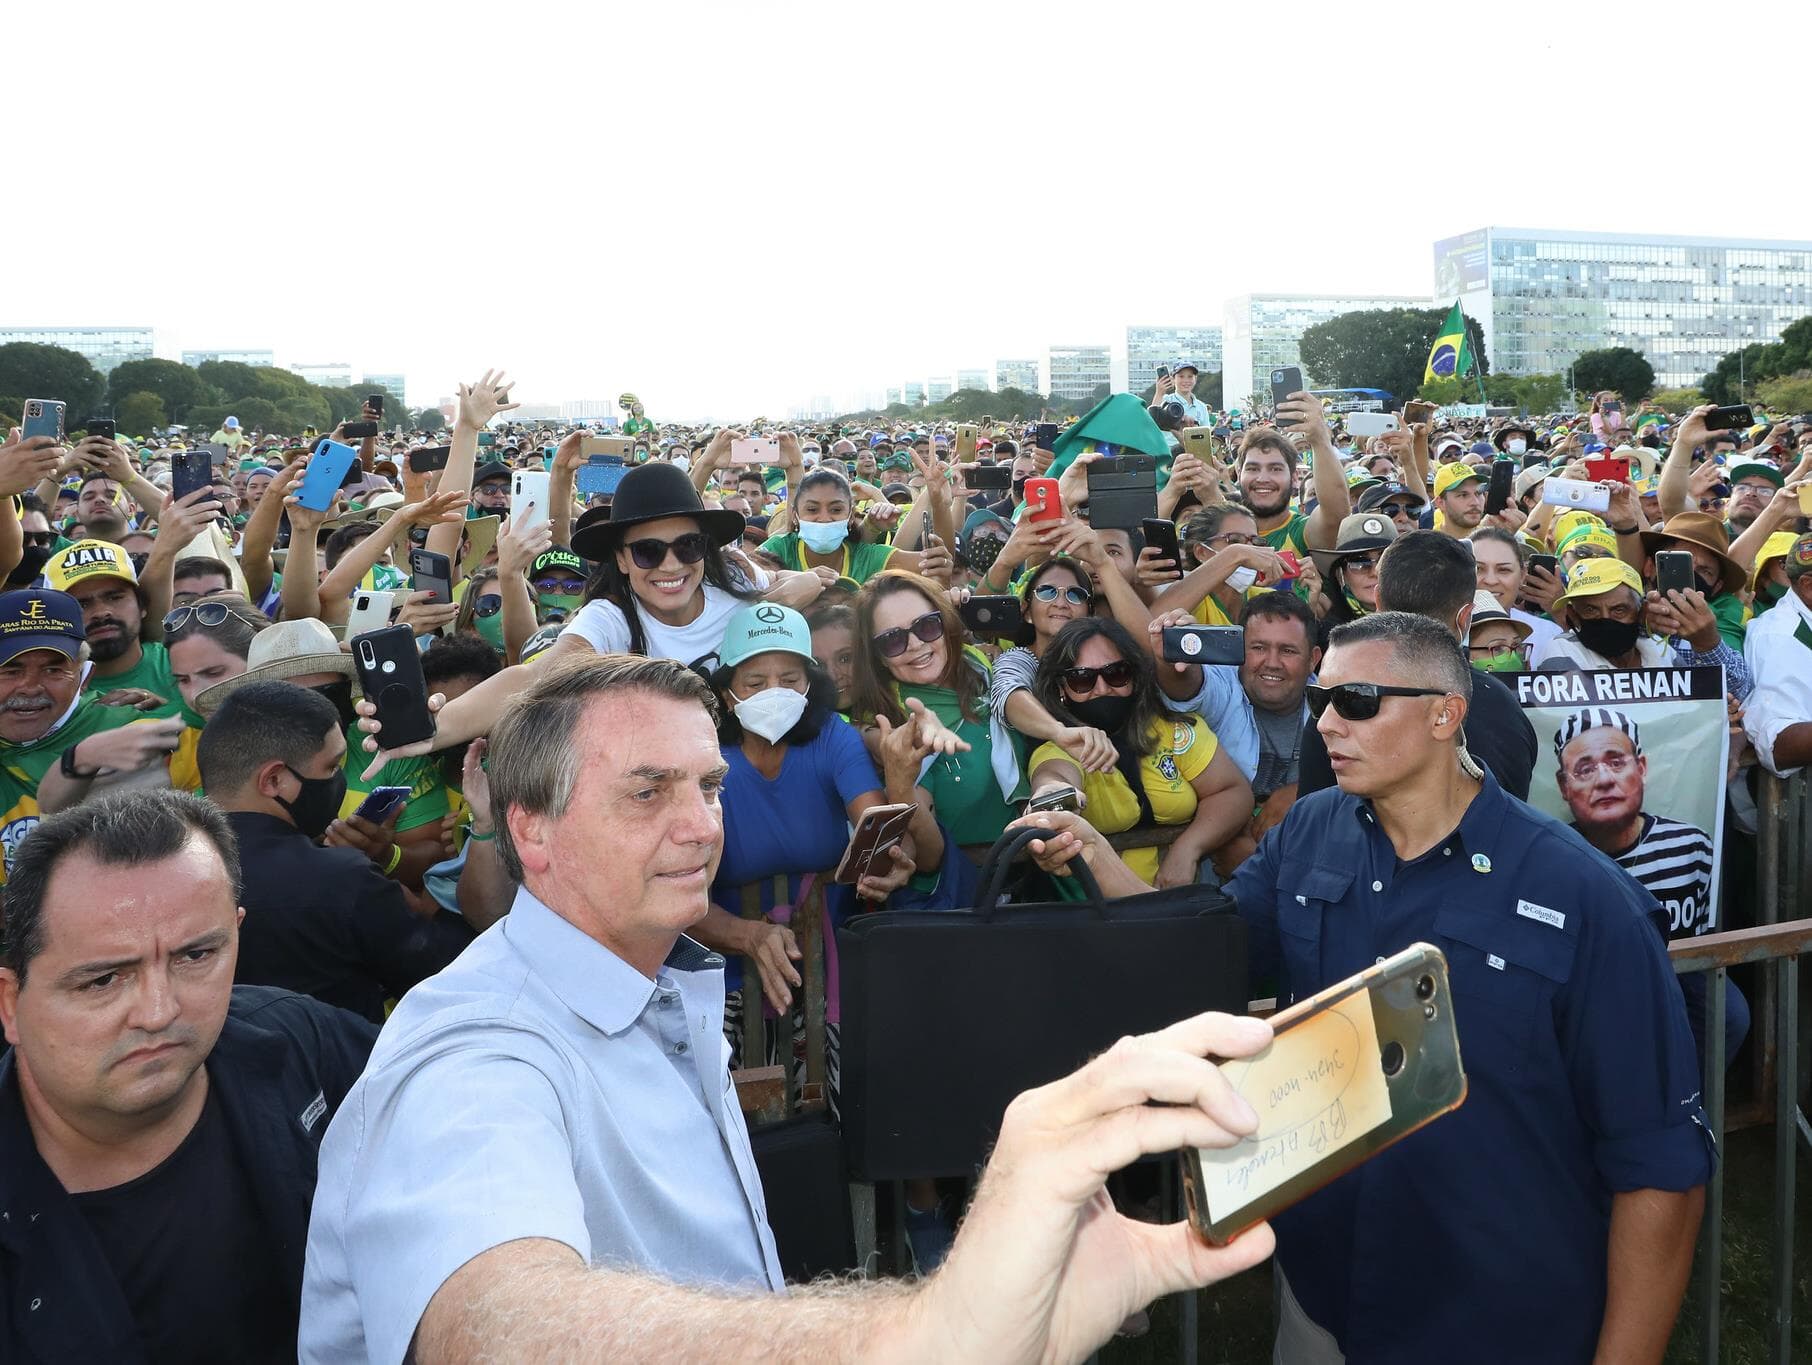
(1117, 674)
(1361, 701)
(1364, 562)
(1492, 651)
(207, 615)
(1047, 592)
(559, 585)
(893, 643)
(488, 605)
(39, 538)
(1399, 509)
(652, 553)
(1612, 765)
(1233, 538)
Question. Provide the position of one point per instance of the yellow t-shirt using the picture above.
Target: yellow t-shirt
(1209, 613)
(1185, 747)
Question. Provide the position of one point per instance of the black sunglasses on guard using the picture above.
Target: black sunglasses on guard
(1361, 701)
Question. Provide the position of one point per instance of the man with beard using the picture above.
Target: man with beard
(1267, 464)
(54, 742)
(1459, 494)
(115, 613)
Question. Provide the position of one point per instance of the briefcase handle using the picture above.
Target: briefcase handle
(1012, 845)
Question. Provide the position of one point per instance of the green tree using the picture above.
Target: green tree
(1620, 369)
(304, 410)
(428, 420)
(181, 387)
(1790, 394)
(1380, 348)
(140, 413)
(1444, 391)
(1677, 402)
(1539, 393)
(1741, 370)
(28, 370)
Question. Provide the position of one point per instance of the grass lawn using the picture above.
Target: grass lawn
(1235, 1317)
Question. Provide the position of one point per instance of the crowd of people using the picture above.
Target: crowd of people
(651, 699)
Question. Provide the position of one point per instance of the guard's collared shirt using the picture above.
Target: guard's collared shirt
(540, 1087)
(1484, 1236)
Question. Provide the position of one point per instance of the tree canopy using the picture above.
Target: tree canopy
(1620, 369)
(28, 370)
(1743, 370)
(1381, 348)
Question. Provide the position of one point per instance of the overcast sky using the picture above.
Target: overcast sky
(730, 207)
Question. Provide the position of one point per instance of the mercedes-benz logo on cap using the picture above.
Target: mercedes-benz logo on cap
(772, 615)
(1373, 527)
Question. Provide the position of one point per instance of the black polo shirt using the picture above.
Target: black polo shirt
(276, 1075)
(325, 922)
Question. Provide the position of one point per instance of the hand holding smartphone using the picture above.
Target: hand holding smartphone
(390, 675)
(880, 828)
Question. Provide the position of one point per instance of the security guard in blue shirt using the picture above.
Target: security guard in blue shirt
(1554, 1213)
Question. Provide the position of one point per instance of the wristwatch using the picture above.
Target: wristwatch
(69, 769)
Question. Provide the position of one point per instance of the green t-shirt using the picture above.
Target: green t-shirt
(151, 673)
(861, 561)
(963, 788)
(1292, 535)
(428, 792)
(22, 768)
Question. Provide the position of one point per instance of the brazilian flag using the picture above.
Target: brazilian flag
(1451, 355)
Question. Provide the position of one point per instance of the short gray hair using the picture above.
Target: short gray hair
(1421, 645)
(534, 757)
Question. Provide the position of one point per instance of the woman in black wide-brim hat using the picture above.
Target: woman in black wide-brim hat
(663, 587)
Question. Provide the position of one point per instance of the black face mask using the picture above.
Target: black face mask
(981, 552)
(340, 694)
(317, 803)
(1108, 714)
(1612, 639)
(1708, 588)
(31, 564)
(1019, 490)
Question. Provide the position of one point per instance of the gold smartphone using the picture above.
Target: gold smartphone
(621, 446)
(1363, 1064)
(1198, 441)
(965, 443)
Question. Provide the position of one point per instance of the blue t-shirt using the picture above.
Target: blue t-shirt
(796, 823)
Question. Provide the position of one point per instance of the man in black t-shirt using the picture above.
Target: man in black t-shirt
(1430, 574)
(158, 1128)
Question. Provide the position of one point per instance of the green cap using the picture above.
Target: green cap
(763, 627)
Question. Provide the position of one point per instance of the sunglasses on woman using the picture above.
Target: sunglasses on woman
(39, 539)
(652, 553)
(893, 643)
(1360, 701)
(1360, 562)
(1117, 674)
(489, 604)
(207, 615)
(1047, 592)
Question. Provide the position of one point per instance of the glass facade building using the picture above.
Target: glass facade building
(1077, 371)
(971, 379)
(1543, 297)
(1017, 374)
(105, 347)
(264, 358)
(1262, 331)
(1149, 347)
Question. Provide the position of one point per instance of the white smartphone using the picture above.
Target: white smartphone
(1370, 423)
(528, 486)
(370, 611)
(1589, 497)
(754, 450)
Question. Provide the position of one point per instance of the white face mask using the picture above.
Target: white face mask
(771, 713)
(1516, 445)
(1242, 578)
(823, 537)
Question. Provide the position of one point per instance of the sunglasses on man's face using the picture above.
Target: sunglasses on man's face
(39, 538)
(1117, 674)
(1360, 701)
(927, 628)
(1047, 592)
(207, 615)
(652, 553)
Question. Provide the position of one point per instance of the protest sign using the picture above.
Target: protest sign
(1639, 770)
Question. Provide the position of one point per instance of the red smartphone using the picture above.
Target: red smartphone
(1292, 565)
(1043, 502)
(1608, 469)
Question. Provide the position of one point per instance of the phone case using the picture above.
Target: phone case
(1576, 493)
(429, 458)
(1352, 1070)
(882, 827)
(326, 472)
(379, 802)
(600, 474)
(526, 486)
(993, 616)
(43, 417)
(1204, 645)
(1674, 571)
(754, 450)
(592, 446)
(370, 611)
(430, 572)
(390, 675)
(1043, 502)
(190, 470)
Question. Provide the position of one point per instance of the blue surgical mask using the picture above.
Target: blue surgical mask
(823, 537)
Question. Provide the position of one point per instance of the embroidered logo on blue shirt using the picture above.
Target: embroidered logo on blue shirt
(1542, 913)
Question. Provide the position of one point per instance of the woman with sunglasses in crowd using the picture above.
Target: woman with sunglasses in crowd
(1349, 571)
(1168, 769)
(920, 694)
(1057, 592)
(1226, 559)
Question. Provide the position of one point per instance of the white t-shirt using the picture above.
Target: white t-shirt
(601, 625)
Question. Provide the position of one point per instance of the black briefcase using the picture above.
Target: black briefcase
(807, 1192)
(947, 1015)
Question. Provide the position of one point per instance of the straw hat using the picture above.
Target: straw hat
(289, 649)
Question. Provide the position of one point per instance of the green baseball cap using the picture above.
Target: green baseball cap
(761, 628)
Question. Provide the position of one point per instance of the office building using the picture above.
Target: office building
(588, 409)
(336, 374)
(972, 379)
(264, 359)
(1262, 331)
(1149, 347)
(391, 384)
(1542, 297)
(105, 347)
(895, 396)
(1017, 374)
(937, 390)
(1077, 371)
(912, 393)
